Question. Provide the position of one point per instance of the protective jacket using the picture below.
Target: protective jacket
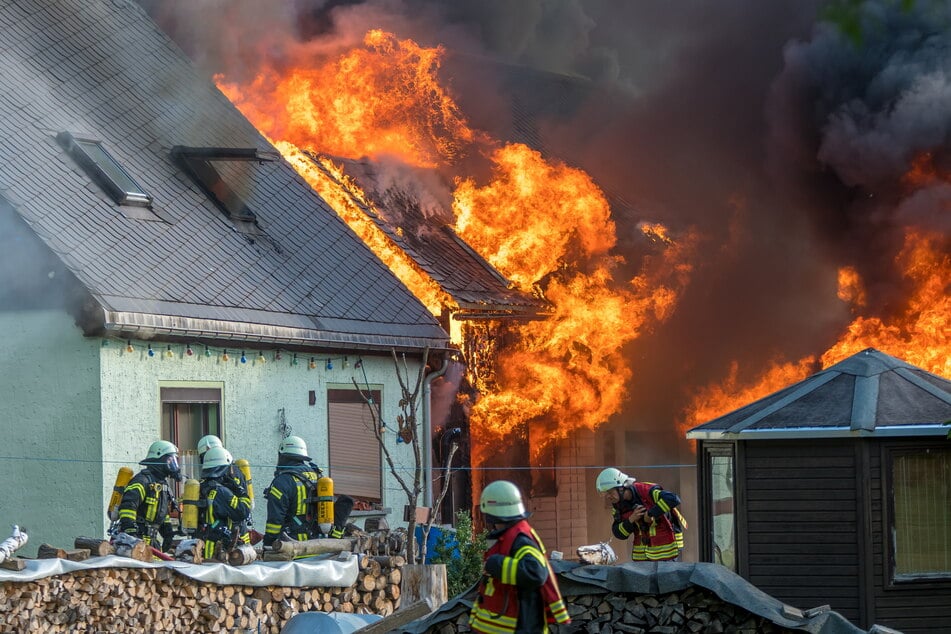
(519, 592)
(238, 484)
(653, 540)
(221, 515)
(290, 502)
(143, 511)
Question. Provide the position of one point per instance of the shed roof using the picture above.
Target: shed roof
(294, 274)
(869, 393)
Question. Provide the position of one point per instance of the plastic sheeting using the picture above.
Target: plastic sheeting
(328, 623)
(324, 571)
(660, 578)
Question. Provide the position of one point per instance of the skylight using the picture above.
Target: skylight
(105, 170)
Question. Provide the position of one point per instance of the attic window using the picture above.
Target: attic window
(103, 168)
(199, 162)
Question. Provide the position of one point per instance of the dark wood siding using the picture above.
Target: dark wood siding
(802, 523)
(911, 608)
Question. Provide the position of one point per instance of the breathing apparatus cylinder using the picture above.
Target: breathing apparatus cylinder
(245, 468)
(325, 504)
(122, 479)
(190, 494)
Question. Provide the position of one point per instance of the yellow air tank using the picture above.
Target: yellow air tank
(190, 505)
(325, 504)
(122, 479)
(245, 468)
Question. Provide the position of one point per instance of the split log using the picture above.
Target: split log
(45, 551)
(97, 547)
(14, 563)
(286, 551)
(138, 550)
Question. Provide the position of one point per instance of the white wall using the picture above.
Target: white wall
(252, 396)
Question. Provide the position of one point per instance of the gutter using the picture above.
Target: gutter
(428, 431)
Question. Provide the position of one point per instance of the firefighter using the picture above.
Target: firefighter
(292, 497)
(518, 591)
(235, 480)
(147, 499)
(222, 513)
(645, 512)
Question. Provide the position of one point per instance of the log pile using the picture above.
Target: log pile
(693, 609)
(161, 600)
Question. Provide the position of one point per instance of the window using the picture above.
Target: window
(720, 493)
(920, 502)
(104, 170)
(355, 463)
(214, 168)
(188, 413)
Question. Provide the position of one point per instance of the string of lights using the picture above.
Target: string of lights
(225, 355)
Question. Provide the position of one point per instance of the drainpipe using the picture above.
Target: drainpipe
(428, 432)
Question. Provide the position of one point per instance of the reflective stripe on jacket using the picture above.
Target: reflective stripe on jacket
(498, 609)
(651, 541)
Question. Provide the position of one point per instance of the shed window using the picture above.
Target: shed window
(720, 492)
(921, 517)
(105, 170)
(355, 455)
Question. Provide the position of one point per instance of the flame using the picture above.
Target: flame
(920, 334)
(380, 99)
(544, 225)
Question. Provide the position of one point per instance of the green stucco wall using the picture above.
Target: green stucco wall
(50, 444)
(253, 395)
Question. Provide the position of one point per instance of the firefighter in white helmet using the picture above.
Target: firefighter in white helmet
(646, 513)
(235, 480)
(519, 591)
(292, 497)
(147, 499)
(222, 513)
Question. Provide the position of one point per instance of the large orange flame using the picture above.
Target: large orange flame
(544, 225)
(920, 334)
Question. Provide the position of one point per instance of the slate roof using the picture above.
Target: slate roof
(869, 393)
(476, 286)
(101, 69)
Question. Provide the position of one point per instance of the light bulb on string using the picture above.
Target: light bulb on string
(207, 352)
(129, 347)
(346, 363)
(151, 352)
(261, 358)
(277, 355)
(105, 343)
(224, 356)
(313, 364)
(330, 364)
(294, 360)
(188, 350)
(168, 352)
(244, 359)
(358, 364)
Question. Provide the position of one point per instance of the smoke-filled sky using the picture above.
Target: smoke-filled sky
(780, 131)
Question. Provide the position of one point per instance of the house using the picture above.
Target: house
(164, 274)
(837, 490)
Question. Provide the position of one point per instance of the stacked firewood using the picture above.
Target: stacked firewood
(693, 609)
(161, 600)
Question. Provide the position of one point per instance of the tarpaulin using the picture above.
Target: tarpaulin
(322, 571)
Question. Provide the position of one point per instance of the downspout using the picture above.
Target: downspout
(428, 432)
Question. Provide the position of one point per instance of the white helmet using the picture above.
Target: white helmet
(206, 443)
(217, 460)
(163, 456)
(294, 446)
(502, 500)
(611, 478)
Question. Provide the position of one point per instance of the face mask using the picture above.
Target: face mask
(171, 462)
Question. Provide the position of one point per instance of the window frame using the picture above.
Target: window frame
(191, 394)
(707, 502)
(340, 395)
(78, 148)
(198, 163)
(889, 528)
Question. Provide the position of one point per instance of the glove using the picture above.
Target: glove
(168, 534)
(235, 486)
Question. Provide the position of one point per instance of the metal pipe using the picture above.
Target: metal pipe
(428, 431)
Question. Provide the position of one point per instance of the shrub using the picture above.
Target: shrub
(462, 552)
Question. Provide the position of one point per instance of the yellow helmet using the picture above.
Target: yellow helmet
(502, 500)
